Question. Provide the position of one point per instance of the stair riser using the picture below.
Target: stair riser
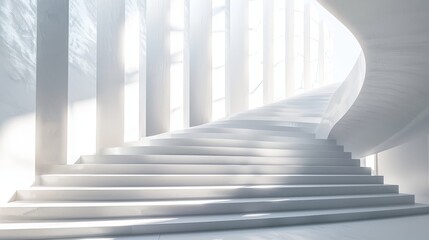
(221, 160)
(196, 180)
(81, 212)
(209, 193)
(200, 169)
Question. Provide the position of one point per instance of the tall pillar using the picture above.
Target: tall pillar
(321, 57)
(237, 81)
(186, 65)
(227, 56)
(290, 48)
(307, 47)
(268, 61)
(142, 67)
(158, 67)
(200, 74)
(52, 82)
(110, 73)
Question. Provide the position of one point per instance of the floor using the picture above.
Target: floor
(403, 228)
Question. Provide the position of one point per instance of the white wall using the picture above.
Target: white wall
(17, 95)
(392, 105)
(408, 166)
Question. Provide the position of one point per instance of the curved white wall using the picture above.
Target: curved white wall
(393, 103)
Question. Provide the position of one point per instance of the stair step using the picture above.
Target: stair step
(286, 114)
(226, 160)
(223, 151)
(116, 180)
(106, 209)
(250, 126)
(278, 117)
(236, 143)
(243, 136)
(248, 131)
(283, 123)
(202, 169)
(197, 192)
(114, 227)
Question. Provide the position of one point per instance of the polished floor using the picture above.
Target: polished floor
(401, 228)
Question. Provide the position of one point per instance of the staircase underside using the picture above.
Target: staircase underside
(260, 168)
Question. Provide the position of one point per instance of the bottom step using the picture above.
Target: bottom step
(133, 226)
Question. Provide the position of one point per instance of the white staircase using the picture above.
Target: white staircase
(260, 168)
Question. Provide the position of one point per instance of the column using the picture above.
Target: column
(321, 56)
(158, 67)
(200, 74)
(186, 65)
(52, 82)
(142, 68)
(110, 73)
(237, 81)
(290, 48)
(268, 51)
(307, 42)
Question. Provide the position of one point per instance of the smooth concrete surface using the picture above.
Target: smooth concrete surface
(408, 166)
(414, 227)
(110, 73)
(392, 105)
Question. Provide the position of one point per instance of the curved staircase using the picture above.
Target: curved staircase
(260, 168)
